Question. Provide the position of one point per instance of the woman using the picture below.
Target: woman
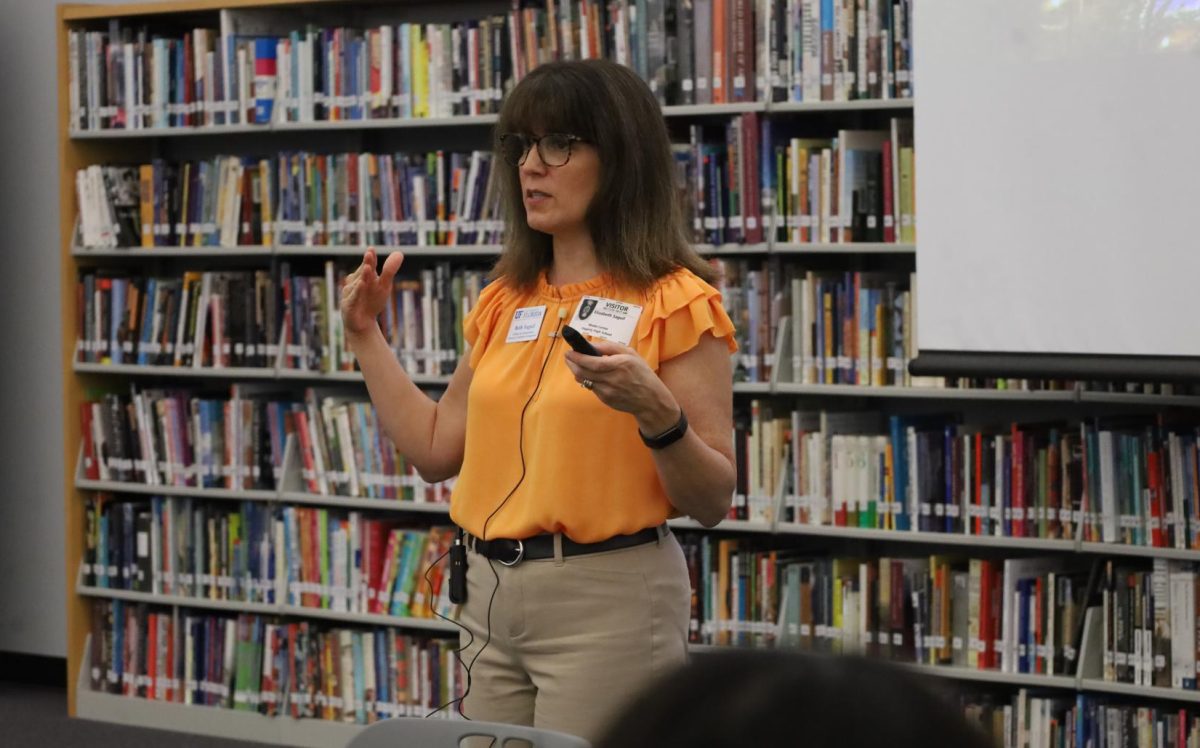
(580, 458)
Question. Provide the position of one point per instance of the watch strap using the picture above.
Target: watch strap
(668, 437)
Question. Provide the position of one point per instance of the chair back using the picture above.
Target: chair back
(416, 732)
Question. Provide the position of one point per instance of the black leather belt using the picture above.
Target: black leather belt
(512, 552)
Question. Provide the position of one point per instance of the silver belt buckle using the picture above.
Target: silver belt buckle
(520, 555)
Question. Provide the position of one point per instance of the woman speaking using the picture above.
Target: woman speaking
(569, 464)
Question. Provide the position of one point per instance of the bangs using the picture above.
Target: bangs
(550, 99)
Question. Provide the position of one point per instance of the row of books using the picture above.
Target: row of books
(124, 317)
(259, 319)
(1011, 615)
(846, 327)
(719, 51)
(1144, 480)
(843, 327)
(837, 50)
(765, 179)
(272, 666)
(197, 319)
(435, 198)
(858, 186)
(422, 319)
(312, 557)
(711, 51)
(133, 319)
(1129, 481)
(749, 180)
(1014, 615)
(343, 451)
(851, 327)
(1150, 624)
(179, 438)
(303, 669)
(1028, 719)
(345, 562)
(292, 198)
(192, 441)
(253, 552)
(720, 182)
(176, 438)
(181, 546)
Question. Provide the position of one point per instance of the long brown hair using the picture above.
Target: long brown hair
(635, 217)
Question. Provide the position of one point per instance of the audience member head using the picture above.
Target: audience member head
(760, 698)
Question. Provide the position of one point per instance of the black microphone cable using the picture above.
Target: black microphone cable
(521, 450)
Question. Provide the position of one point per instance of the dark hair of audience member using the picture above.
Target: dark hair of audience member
(736, 699)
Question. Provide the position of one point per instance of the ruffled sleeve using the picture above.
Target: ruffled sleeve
(681, 309)
(477, 327)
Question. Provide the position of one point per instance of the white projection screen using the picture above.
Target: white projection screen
(1058, 177)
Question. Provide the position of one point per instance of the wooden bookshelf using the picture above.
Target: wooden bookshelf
(70, 159)
(74, 154)
(79, 149)
(74, 12)
(838, 391)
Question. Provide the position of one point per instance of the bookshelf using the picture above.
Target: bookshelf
(695, 110)
(285, 250)
(1074, 395)
(107, 707)
(1023, 680)
(81, 148)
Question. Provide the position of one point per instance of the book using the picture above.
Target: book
(804, 50)
(234, 201)
(265, 664)
(934, 610)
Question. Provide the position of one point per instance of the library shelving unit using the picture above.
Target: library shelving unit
(79, 149)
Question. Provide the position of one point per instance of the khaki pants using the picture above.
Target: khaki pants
(572, 639)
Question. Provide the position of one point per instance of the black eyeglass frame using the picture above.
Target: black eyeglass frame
(530, 142)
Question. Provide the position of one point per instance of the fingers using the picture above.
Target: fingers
(595, 364)
(391, 266)
(581, 376)
(365, 272)
(367, 269)
(364, 291)
(580, 373)
(609, 348)
(352, 283)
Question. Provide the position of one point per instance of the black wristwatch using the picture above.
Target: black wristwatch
(668, 437)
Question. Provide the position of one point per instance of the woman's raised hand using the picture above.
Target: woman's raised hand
(365, 292)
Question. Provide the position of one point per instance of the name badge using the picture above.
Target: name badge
(526, 323)
(606, 318)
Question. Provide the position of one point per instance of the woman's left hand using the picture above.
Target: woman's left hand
(624, 381)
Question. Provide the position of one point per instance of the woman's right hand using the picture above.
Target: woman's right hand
(365, 292)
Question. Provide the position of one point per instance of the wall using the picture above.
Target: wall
(32, 588)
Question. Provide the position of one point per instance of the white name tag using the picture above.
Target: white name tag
(526, 323)
(605, 318)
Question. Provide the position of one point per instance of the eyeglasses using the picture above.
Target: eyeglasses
(554, 149)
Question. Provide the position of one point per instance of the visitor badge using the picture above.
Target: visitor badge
(606, 318)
